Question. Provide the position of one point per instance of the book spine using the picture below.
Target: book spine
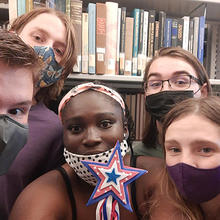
(167, 32)
(195, 35)
(111, 37)
(92, 36)
(201, 38)
(21, 7)
(180, 32)
(76, 18)
(140, 44)
(29, 5)
(100, 37)
(162, 19)
(60, 5)
(174, 32)
(50, 3)
(68, 8)
(128, 45)
(122, 41)
(151, 31)
(136, 15)
(85, 53)
(185, 32)
(145, 38)
(191, 28)
(118, 42)
(156, 37)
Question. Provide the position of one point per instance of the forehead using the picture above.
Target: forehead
(91, 102)
(167, 66)
(16, 85)
(50, 24)
(193, 127)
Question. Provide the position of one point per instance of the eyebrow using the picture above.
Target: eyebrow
(179, 72)
(24, 103)
(80, 118)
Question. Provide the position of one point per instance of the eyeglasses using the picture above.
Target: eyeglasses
(180, 82)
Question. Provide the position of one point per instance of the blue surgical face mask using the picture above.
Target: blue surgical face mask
(52, 71)
(13, 137)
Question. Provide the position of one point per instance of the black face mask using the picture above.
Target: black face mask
(13, 137)
(159, 104)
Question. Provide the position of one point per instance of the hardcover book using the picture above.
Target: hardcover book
(76, 18)
(136, 16)
(85, 42)
(128, 45)
(122, 41)
(100, 37)
(111, 37)
(92, 37)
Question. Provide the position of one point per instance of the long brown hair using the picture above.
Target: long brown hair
(150, 136)
(208, 107)
(69, 58)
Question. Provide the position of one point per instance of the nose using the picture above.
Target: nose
(92, 137)
(166, 86)
(189, 159)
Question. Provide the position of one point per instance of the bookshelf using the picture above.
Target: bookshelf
(3, 12)
(131, 87)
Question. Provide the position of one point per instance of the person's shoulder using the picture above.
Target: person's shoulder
(41, 197)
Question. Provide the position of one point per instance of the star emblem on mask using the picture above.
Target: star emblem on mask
(113, 178)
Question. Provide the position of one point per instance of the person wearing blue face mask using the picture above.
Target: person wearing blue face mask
(51, 34)
(19, 67)
(173, 75)
(191, 141)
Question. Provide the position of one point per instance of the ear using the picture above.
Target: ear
(204, 91)
(126, 132)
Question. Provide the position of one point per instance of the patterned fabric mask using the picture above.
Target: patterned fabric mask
(52, 71)
(74, 161)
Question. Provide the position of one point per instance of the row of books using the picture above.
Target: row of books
(136, 106)
(111, 40)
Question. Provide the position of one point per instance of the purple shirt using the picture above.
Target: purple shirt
(43, 152)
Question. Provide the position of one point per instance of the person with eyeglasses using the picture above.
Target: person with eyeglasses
(171, 76)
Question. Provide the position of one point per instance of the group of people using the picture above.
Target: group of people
(175, 170)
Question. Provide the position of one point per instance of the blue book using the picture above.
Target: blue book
(200, 52)
(174, 32)
(168, 32)
(136, 16)
(21, 7)
(92, 36)
(61, 5)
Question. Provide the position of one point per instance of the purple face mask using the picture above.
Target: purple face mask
(194, 184)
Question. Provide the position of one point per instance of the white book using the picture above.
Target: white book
(12, 9)
(111, 37)
(185, 32)
(85, 48)
(195, 35)
(145, 39)
(118, 41)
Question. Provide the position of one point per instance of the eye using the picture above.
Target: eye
(106, 124)
(75, 129)
(154, 83)
(38, 38)
(58, 51)
(16, 111)
(180, 81)
(206, 151)
(173, 150)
